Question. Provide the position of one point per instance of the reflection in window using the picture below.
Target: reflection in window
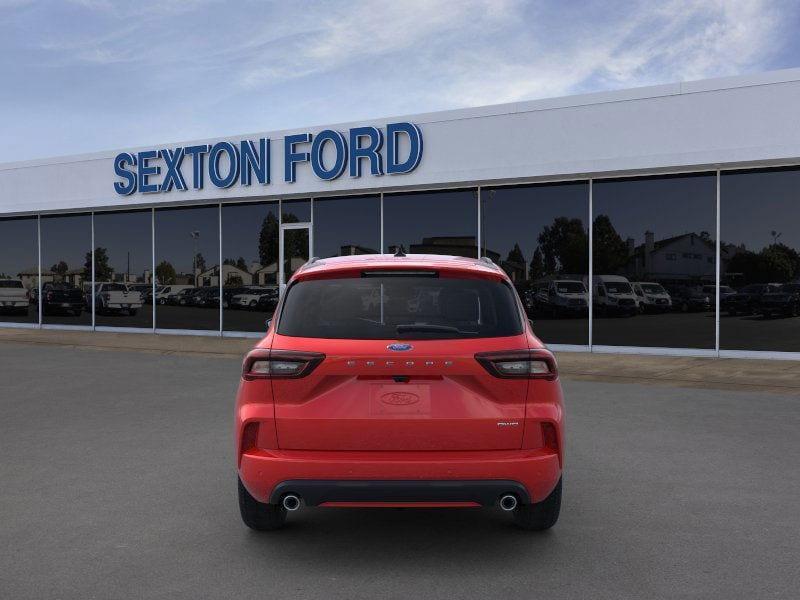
(432, 222)
(296, 211)
(66, 269)
(655, 230)
(187, 268)
(19, 270)
(123, 267)
(249, 265)
(539, 235)
(345, 226)
(760, 260)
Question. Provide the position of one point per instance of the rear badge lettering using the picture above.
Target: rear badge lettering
(507, 423)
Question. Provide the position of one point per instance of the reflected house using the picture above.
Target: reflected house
(210, 277)
(456, 245)
(269, 275)
(516, 270)
(30, 277)
(353, 249)
(687, 258)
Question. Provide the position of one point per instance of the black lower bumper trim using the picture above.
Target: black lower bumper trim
(316, 492)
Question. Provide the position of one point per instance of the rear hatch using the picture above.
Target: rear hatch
(399, 369)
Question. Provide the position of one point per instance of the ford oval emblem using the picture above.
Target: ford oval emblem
(399, 347)
(400, 398)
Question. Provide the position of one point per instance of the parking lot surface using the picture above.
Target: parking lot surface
(118, 481)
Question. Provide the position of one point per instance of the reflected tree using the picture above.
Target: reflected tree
(610, 250)
(165, 273)
(565, 246)
(268, 241)
(537, 270)
(60, 268)
(777, 263)
(102, 270)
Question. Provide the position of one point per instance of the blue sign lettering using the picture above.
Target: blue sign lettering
(330, 153)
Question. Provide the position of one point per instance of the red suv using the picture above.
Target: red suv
(399, 381)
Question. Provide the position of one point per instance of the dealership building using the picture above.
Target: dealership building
(673, 210)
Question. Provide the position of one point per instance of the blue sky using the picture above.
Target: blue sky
(86, 75)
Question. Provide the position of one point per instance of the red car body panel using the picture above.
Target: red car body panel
(430, 413)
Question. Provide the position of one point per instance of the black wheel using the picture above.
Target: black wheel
(257, 515)
(540, 515)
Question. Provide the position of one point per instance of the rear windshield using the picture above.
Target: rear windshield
(10, 283)
(392, 307)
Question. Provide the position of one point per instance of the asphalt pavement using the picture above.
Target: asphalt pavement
(118, 481)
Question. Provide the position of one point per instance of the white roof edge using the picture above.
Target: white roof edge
(559, 102)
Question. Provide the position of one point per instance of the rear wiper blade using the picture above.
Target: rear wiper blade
(425, 328)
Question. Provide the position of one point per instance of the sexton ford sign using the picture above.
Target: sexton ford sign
(226, 164)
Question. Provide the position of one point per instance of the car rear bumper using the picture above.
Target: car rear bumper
(414, 477)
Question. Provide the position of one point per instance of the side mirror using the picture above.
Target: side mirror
(530, 321)
(268, 322)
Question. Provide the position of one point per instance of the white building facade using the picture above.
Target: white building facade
(612, 183)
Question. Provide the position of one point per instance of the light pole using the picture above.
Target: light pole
(195, 235)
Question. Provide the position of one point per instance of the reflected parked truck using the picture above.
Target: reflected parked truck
(747, 300)
(563, 297)
(114, 298)
(651, 297)
(783, 302)
(14, 298)
(168, 290)
(613, 295)
(63, 298)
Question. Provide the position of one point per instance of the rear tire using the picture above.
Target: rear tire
(257, 515)
(540, 515)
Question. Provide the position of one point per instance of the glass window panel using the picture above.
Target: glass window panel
(249, 265)
(187, 257)
(123, 265)
(66, 269)
(539, 235)
(295, 250)
(654, 261)
(296, 211)
(760, 260)
(432, 222)
(19, 270)
(345, 226)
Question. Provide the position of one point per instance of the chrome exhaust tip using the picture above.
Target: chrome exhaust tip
(291, 502)
(508, 502)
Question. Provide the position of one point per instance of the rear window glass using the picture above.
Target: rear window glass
(10, 283)
(392, 307)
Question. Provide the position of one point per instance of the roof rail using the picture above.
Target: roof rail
(308, 263)
(490, 262)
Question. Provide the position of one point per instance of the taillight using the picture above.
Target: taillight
(279, 364)
(529, 364)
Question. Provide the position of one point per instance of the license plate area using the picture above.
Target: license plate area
(400, 400)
